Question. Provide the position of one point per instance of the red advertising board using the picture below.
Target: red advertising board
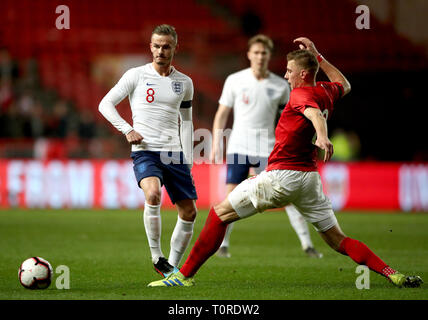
(111, 184)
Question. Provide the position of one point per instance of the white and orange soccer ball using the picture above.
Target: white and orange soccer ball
(35, 273)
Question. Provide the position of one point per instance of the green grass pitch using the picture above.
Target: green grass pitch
(108, 257)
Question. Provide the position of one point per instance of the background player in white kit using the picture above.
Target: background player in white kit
(257, 97)
(158, 93)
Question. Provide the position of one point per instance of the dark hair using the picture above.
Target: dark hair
(167, 30)
(304, 59)
(261, 38)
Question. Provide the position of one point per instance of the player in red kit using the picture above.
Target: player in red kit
(291, 175)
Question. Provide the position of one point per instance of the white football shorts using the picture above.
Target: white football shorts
(277, 188)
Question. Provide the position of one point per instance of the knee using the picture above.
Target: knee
(226, 213)
(153, 197)
(220, 209)
(189, 214)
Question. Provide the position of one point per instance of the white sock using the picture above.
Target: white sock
(153, 226)
(226, 239)
(300, 226)
(180, 240)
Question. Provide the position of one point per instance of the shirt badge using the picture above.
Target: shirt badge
(177, 87)
(270, 92)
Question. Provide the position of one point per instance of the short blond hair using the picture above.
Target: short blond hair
(304, 59)
(263, 39)
(166, 30)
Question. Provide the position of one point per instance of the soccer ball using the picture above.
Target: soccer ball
(35, 273)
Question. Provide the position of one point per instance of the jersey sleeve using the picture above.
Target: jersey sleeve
(124, 87)
(227, 97)
(188, 95)
(334, 89)
(300, 100)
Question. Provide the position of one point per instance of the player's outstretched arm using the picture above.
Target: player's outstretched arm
(219, 124)
(333, 74)
(320, 125)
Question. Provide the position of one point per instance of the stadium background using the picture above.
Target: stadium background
(57, 151)
(66, 163)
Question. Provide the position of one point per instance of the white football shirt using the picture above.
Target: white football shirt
(155, 101)
(255, 107)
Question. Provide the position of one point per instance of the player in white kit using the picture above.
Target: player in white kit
(162, 148)
(257, 97)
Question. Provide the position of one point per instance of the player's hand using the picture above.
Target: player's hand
(306, 44)
(134, 137)
(326, 145)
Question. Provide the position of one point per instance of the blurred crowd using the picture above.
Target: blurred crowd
(36, 122)
(29, 111)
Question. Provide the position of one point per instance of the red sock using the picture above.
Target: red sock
(361, 254)
(206, 245)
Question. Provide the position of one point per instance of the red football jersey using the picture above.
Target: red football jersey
(294, 148)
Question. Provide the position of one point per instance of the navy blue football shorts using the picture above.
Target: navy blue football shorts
(171, 170)
(238, 166)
